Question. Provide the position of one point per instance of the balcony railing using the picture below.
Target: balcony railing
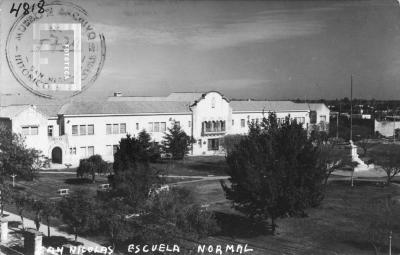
(213, 127)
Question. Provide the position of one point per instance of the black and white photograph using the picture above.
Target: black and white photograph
(209, 127)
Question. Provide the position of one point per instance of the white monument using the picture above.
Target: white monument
(355, 158)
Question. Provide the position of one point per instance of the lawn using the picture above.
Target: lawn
(190, 166)
(193, 166)
(340, 225)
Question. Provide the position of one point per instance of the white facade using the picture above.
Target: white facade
(78, 130)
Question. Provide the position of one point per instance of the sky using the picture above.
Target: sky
(244, 49)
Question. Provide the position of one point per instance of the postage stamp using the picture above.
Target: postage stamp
(55, 52)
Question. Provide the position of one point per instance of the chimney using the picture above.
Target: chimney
(118, 94)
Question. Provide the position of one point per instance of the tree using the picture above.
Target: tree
(85, 168)
(77, 212)
(5, 196)
(230, 141)
(133, 177)
(333, 157)
(22, 202)
(365, 145)
(274, 172)
(177, 142)
(50, 209)
(113, 221)
(37, 207)
(90, 166)
(174, 214)
(378, 217)
(16, 158)
(152, 148)
(388, 157)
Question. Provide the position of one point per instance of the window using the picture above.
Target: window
(72, 150)
(74, 129)
(233, 122)
(25, 130)
(122, 128)
(156, 126)
(83, 152)
(313, 117)
(323, 118)
(213, 144)
(30, 130)
(50, 130)
(115, 129)
(177, 123)
(242, 123)
(34, 130)
(137, 126)
(189, 123)
(163, 126)
(82, 130)
(150, 129)
(90, 129)
(115, 148)
(109, 150)
(90, 151)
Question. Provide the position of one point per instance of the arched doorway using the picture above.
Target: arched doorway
(56, 155)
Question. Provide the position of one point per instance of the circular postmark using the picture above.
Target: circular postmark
(55, 53)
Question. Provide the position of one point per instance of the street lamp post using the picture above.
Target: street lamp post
(13, 177)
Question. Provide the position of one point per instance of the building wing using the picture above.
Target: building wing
(267, 106)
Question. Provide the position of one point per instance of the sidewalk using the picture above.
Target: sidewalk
(28, 223)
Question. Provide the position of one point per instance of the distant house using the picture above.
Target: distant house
(386, 127)
(69, 132)
(319, 116)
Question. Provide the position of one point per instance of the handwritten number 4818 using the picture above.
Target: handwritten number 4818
(27, 8)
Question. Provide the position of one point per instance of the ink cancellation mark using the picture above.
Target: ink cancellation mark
(56, 53)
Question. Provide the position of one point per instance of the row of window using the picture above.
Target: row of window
(83, 129)
(30, 130)
(157, 127)
(213, 126)
(84, 151)
(116, 128)
(87, 151)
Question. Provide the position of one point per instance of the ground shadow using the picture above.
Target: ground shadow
(58, 241)
(359, 183)
(78, 181)
(234, 225)
(367, 246)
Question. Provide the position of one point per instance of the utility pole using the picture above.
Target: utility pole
(394, 126)
(351, 108)
(390, 242)
(337, 121)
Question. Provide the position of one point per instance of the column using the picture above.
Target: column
(4, 231)
(33, 242)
